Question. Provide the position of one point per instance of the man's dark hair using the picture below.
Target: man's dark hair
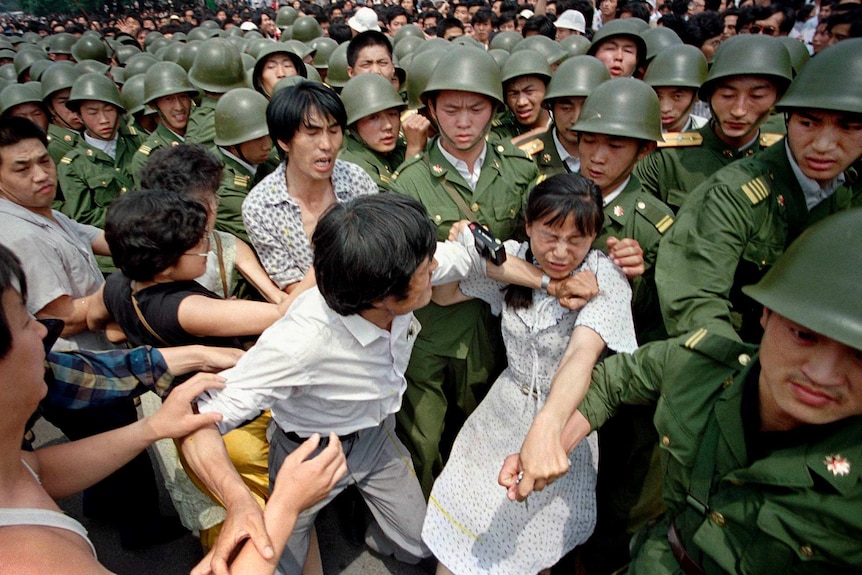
(364, 40)
(14, 130)
(341, 33)
(11, 276)
(446, 24)
(395, 11)
(292, 107)
(701, 27)
(789, 20)
(186, 169)
(368, 249)
(481, 16)
(148, 231)
(636, 9)
(540, 24)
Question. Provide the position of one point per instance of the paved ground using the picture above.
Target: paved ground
(179, 556)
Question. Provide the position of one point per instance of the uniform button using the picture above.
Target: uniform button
(475, 207)
(743, 359)
(641, 205)
(500, 149)
(104, 183)
(737, 482)
(665, 440)
(117, 170)
(512, 212)
(726, 383)
(727, 153)
(806, 551)
(123, 190)
(438, 218)
(717, 518)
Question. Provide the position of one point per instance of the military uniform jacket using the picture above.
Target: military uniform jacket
(730, 232)
(638, 215)
(60, 141)
(160, 138)
(543, 150)
(671, 173)
(506, 177)
(793, 511)
(236, 182)
(91, 179)
(380, 167)
(201, 127)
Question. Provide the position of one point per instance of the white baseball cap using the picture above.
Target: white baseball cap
(526, 14)
(247, 26)
(365, 19)
(572, 20)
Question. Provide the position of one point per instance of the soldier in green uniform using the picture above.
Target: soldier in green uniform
(139, 116)
(459, 176)
(97, 170)
(275, 62)
(168, 91)
(24, 101)
(748, 74)
(676, 74)
(65, 127)
(556, 151)
(736, 224)
(243, 143)
(760, 447)
(217, 68)
(620, 47)
(373, 124)
(525, 79)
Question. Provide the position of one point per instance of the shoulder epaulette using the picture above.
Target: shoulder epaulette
(66, 160)
(532, 147)
(132, 130)
(756, 190)
(769, 138)
(695, 338)
(240, 180)
(681, 140)
(145, 150)
(734, 354)
(417, 157)
(507, 149)
(652, 210)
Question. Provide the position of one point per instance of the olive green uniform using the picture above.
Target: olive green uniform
(459, 350)
(774, 504)
(162, 137)
(544, 152)
(730, 232)
(236, 183)
(379, 166)
(686, 159)
(201, 128)
(60, 141)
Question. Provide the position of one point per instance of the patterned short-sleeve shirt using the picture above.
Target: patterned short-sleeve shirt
(273, 220)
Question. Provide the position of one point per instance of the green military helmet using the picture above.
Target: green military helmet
(90, 48)
(337, 75)
(4, 82)
(368, 94)
(408, 31)
(306, 29)
(160, 53)
(191, 49)
(472, 71)
(468, 42)
(577, 77)
(749, 55)
(31, 37)
(419, 72)
(799, 55)
(172, 52)
(217, 67)
(682, 66)
(139, 64)
(575, 45)
(61, 43)
(240, 116)
(324, 46)
(505, 40)
(5, 44)
(17, 94)
(210, 24)
(795, 286)
(165, 79)
(526, 63)
(286, 16)
(25, 59)
(312, 74)
(118, 75)
(434, 44)
(639, 25)
(179, 37)
(657, 39)
(7, 72)
(286, 34)
(132, 95)
(232, 32)
(289, 82)
(198, 34)
(58, 76)
(400, 72)
(624, 28)
(263, 56)
(622, 107)
(299, 48)
(38, 68)
(240, 43)
(93, 66)
(500, 56)
(96, 87)
(828, 82)
(157, 45)
(247, 62)
(406, 46)
(551, 50)
(7, 54)
(257, 45)
(124, 52)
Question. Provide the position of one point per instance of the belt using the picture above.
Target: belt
(324, 439)
(688, 565)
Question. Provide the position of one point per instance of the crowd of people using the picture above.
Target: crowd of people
(519, 288)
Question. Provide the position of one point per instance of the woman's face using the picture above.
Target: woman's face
(558, 248)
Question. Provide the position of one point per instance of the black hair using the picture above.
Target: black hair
(186, 169)
(701, 27)
(11, 277)
(395, 11)
(555, 200)
(364, 40)
(481, 16)
(446, 24)
(636, 9)
(341, 33)
(369, 248)
(541, 25)
(14, 130)
(292, 107)
(148, 231)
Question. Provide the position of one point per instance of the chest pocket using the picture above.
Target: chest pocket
(675, 198)
(106, 187)
(679, 447)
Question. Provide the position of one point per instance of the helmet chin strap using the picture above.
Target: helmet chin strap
(113, 131)
(755, 127)
(56, 116)
(482, 135)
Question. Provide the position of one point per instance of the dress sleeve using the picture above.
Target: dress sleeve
(480, 287)
(609, 313)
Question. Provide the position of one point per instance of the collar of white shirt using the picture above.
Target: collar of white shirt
(472, 178)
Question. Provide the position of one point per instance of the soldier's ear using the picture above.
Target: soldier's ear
(645, 149)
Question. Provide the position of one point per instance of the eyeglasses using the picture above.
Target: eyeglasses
(766, 30)
(206, 245)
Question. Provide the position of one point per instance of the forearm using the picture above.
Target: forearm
(576, 429)
(73, 312)
(251, 270)
(279, 518)
(205, 454)
(516, 271)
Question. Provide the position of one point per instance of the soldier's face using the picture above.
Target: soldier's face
(69, 119)
(28, 176)
(99, 118)
(823, 143)
(174, 110)
(275, 68)
(256, 151)
(739, 105)
(805, 378)
(619, 55)
(524, 97)
(675, 104)
(380, 131)
(608, 160)
(566, 113)
(462, 118)
(373, 59)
